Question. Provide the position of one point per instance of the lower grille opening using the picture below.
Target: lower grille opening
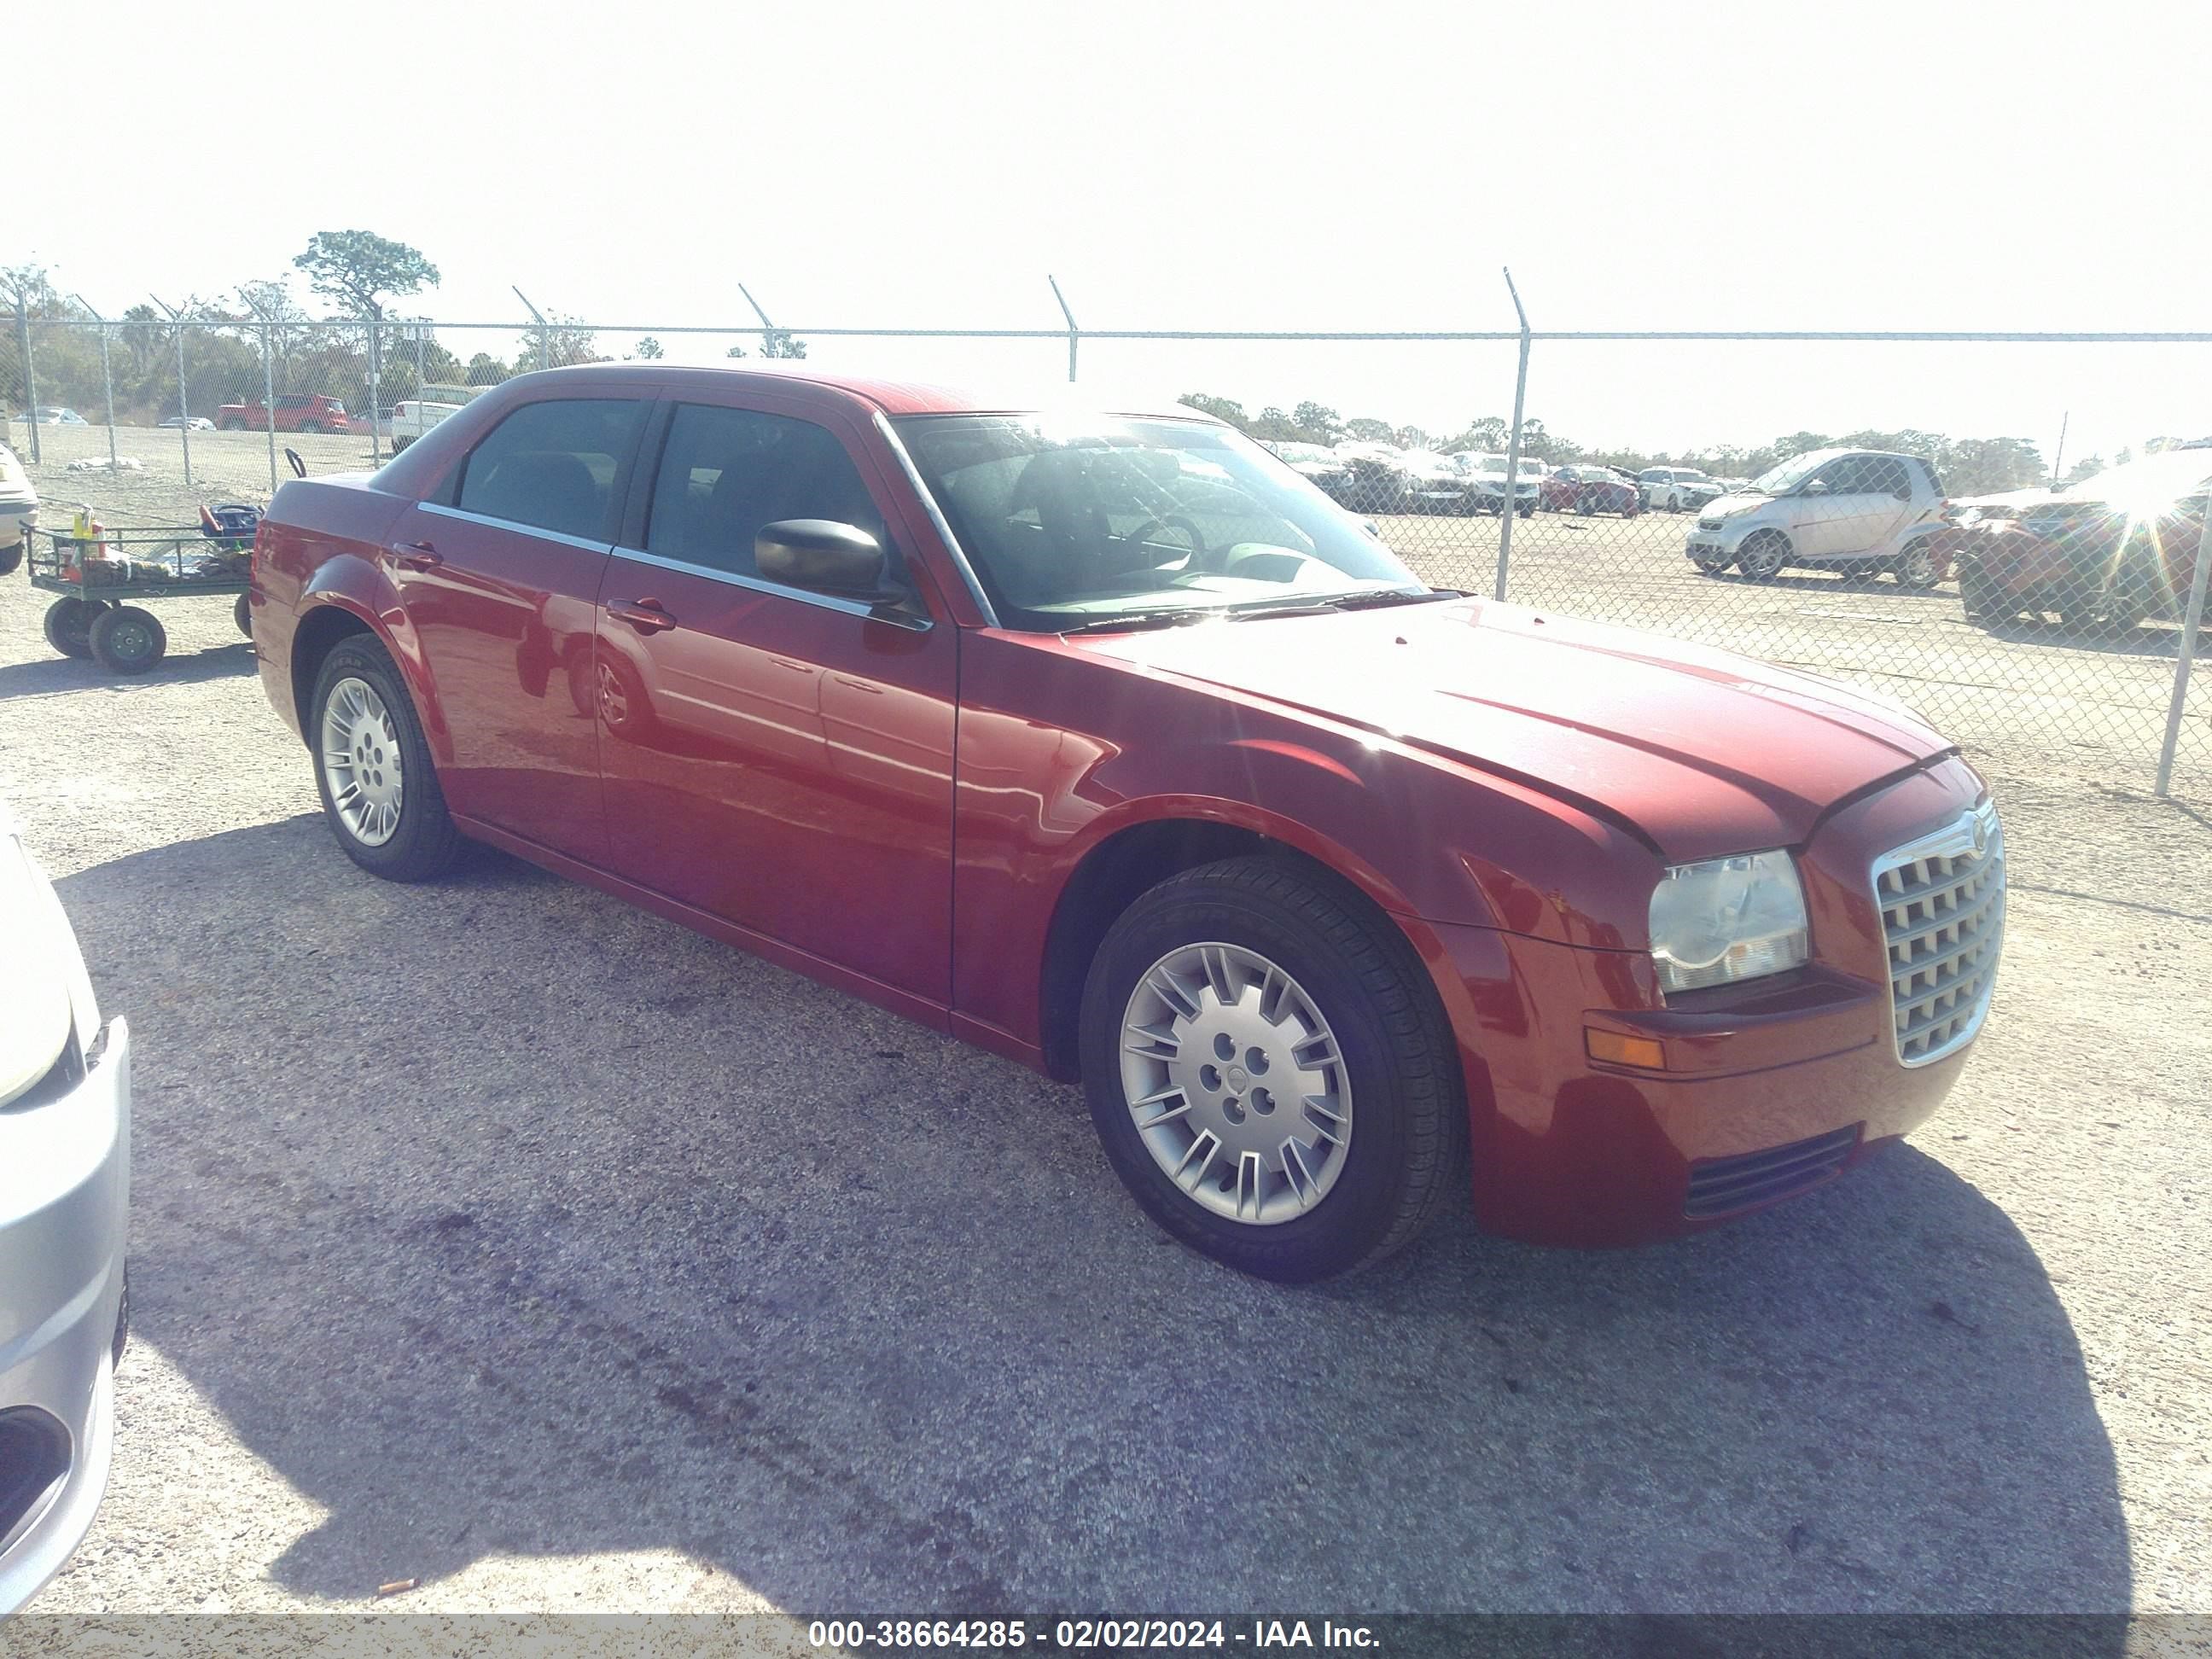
(1722, 1186)
(34, 1456)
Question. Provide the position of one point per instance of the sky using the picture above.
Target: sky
(1208, 166)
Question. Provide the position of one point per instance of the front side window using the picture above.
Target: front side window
(726, 472)
(1072, 520)
(1885, 475)
(552, 465)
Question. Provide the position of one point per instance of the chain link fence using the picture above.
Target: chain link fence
(2047, 630)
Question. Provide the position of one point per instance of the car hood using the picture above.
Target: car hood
(1742, 502)
(1701, 751)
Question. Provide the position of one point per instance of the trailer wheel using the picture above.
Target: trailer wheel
(242, 614)
(69, 626)
(128, 640)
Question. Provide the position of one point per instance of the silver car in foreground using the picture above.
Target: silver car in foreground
(65, 1194)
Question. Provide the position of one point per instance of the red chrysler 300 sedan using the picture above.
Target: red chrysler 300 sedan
(1109, 743)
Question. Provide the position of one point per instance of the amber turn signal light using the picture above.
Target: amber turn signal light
(1618, 1050)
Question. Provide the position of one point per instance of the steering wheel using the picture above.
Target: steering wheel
(1138, 537)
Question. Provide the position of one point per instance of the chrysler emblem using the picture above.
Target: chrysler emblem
(1981, 836)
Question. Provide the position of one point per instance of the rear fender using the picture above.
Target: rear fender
(360, 587)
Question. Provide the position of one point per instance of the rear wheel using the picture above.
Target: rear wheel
(373, 767)
(128, 640)
(1269, 1071)
(69, 626)
(1764, 555)
(1917, 566)
(311, 426)
(10, 557)
(242, 614)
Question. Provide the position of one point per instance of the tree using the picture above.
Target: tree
(782, 342)
(1410, 437)
(1365, 428)
(360, 269)
(648, 347)
(484, 369)
(1317, 423)
(1799, 443)
(563, 341)
(1489, 433)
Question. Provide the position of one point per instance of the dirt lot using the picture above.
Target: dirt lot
(495, 1234)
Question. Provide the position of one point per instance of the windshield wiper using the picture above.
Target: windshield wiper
(1321, 604)
(1124, 622)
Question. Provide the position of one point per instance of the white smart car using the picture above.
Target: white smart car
(65, 1194)
(1853, 510)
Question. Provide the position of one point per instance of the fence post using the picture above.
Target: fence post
(106, 381)
(183, 394)
(768, 328)
(30, 381)
(1512, 499)
(545, 335)
(269, 398)
(1073, 332)
(375, 449)
(2192, 627)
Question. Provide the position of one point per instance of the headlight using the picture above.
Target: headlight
(1727, 919)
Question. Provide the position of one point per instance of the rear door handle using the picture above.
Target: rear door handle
(647, 616)
(416, 556)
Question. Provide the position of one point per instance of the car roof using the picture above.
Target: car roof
(891, 396)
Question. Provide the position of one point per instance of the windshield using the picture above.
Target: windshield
(1792, 473)
(1073, 521)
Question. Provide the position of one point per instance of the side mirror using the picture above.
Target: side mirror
(1814, 486)
(823, 557)
(292, 459)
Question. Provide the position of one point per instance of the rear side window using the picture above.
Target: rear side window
(726, 472)
(552, 465)
(1885, 475)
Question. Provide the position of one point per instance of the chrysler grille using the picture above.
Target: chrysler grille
(1942, 900)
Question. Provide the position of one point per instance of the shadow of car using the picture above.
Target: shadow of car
(566, 1231)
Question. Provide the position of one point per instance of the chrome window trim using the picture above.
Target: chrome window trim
(928, 500)
(603, 545)
(1953, 839)
(776, 590)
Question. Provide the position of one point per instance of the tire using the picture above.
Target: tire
(1709, 564)
(128, 640)
(1857, 570)
(1586, 506)
(1977, 596)
(1917, 567)
(242, 614)
(419, 843)
(1762, 555)
(1527, 512)
(311, 426)
(1391, 1070)
(232, 426)
(11, 557)
(69, 626)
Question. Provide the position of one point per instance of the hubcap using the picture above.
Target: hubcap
(1236, 1083)
(613, 702)
(361, 762)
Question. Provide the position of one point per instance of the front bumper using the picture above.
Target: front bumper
(1722, 539)
(1768, 1088)
(65, 1195)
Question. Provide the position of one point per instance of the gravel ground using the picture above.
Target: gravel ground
(496, 1236)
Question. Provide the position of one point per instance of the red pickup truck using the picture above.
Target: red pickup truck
(296, 411)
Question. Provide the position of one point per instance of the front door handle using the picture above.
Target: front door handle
(416, 556)
(647, 616)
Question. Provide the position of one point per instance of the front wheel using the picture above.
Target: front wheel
(311, 426)
(127, 640)
(1763, 557)
(373, 767)
(1269, 1071)
(11, 557)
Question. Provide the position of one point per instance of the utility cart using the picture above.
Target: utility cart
(100, 572)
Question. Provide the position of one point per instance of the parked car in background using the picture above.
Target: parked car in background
(1379, 480)
(296, 411)
(187, 423)
(64, 1202)
(1857, 511)
(1435, 483)
(47, 416)
(1318, 464)
(1108, 742)
(2111, 551)
(1677, 489)
(1588, 488)
(19, 511)
(1487, 487)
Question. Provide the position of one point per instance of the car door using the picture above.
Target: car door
(1888, 501)
(500, 581)
(1827, 510)
(778, 758)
